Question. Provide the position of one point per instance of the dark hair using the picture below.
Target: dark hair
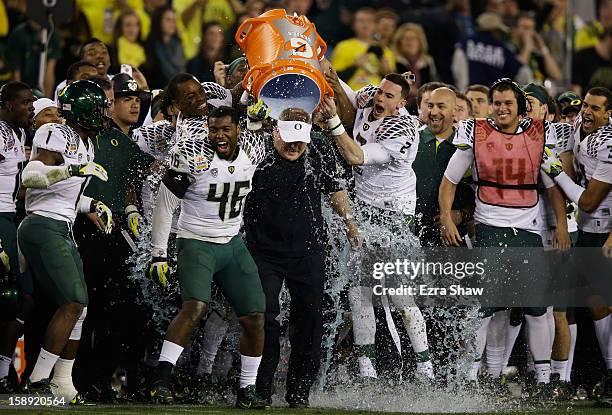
(387, 13)
(478, 88)
(461, 95)
(294, 114)
(507, 84)
(162, 104)
(155, 35)
(103, 83)
(553, 108)
(10, 90)
(88, 42)
(224, 111)
(401, 81)
(74, 68)
(119, 25)
(600, 91)
(428, 87)
(172, 88)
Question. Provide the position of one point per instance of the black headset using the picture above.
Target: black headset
(522, 102)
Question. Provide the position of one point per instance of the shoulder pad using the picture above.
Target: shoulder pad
(397, 126)
(192, 156)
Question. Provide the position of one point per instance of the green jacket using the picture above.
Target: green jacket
(125, 164)
(429, 166)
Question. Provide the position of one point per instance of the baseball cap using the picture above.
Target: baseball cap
(536, 91)
(573, 101)
(489, 21)
(125, 85)
(234, 64)
(294, 131)
(42, 104)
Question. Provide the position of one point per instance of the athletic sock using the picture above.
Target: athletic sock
(496, 342)
(62, 379)
(602, 330)
(424, 365)
(366, 354)
(559, 367)
(495, 356)
(542, 371)
(5, 364)
(214, 332)
(362, 313)
(168, 356)
(512, 333)
(607, 354)
(416, 328)
(44, 366)
(248, 370)
(472, 375)
(573, 328)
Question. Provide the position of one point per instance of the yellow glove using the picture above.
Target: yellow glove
(105, 215)
(88, 169)
(5, 259)
(551, 163)
(134, 219)
(257, 111)
(158, 270)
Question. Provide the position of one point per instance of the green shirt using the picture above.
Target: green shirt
(429, 166)
(125, 164)
(23, 52)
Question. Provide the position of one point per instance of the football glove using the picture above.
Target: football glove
(88, 169)
(105, 214)
(158, 270)
(4, 258)
(134, 219)
(551, 163)
(257, 111)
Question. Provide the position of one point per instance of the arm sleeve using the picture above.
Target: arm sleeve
(546, 180)
(165, 205)
(352, 95)
(459, 163)
(85, 204)
(375, 153)
(571, 189)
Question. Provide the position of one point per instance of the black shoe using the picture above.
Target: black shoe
(160, 393)
(79, 400)
(39, 388)
(297, 403)
(248, 398)
(605, 399)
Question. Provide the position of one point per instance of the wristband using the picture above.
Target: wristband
(130, 209)
(335, 126)
(86, 204)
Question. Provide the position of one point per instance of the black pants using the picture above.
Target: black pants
(304, 278)
(112, 331)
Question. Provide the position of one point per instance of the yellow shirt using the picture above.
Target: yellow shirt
(588, 36)
(102, 14)
(345, 54)
(130, 53)
(4, 23)
(216, 10)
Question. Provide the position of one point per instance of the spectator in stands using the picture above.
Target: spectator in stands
(194, 13)
(360, 60)
(463, 108)
(101, 15)
(164, 49)
(411, 51)
(462, 12)
(212, 49)
(79, 71)
(479, 98)
(301, 7)
(589, 35)
(23, 55)
(554, 29)
(386, 24)
(127, 48)
(593, 66)
(484, 58)
(531, 49)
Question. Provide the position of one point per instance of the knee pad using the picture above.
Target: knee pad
(78, 327)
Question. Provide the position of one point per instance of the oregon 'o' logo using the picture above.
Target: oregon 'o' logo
(297, 126)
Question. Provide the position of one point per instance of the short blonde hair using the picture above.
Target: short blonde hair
(417, 29)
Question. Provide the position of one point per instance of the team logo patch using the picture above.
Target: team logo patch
(231, 169)
(508, 146)
(9, 143)
(201, 163)
(490, 146)
(214, 172)
(71, 148)
(366, 127)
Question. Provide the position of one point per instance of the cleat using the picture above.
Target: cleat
(248, 398)
(6, 387)
(161, 394)
(79, 400)
(605, 399)
(40, 388)
(580, 394)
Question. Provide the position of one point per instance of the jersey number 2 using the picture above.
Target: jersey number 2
(235, 199)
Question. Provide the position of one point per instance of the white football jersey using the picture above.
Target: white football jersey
(216, 95)
(60, 201)
(532, 219)
(392, 185)
(13, 151)
(212, 204)
(588, 153)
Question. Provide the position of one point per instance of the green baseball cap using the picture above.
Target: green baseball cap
(536, 91)
(569, 96)
(234, 64)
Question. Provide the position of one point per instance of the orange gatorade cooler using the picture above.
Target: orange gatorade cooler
(283, 53)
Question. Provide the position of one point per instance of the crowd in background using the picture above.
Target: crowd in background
(461, 42)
